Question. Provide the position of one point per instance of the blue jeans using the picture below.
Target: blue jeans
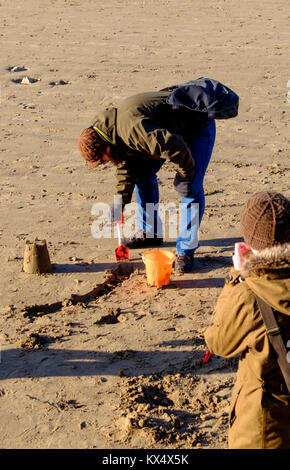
(192, 208)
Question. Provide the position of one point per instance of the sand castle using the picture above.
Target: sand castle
(36, 257)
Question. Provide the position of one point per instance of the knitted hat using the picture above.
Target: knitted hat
(91, 145)
(265, 220)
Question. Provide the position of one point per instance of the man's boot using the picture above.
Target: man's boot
(184, 263)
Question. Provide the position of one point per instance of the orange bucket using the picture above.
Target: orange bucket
(158, 264)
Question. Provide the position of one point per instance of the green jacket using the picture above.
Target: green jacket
(260, 410)
(145, 127)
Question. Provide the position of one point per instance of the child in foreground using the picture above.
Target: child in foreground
(260, 410)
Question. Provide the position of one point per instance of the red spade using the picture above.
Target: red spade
(121, 251)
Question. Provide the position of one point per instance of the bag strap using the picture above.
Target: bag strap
(274, 334)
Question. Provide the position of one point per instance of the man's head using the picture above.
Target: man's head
(265, 220)
(93, 148)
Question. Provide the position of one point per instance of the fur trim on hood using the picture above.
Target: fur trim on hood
(275, 257)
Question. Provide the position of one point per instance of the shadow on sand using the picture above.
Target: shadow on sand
(21, 363)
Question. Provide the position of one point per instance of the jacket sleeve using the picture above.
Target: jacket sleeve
(234, 322)
(156, 142)
(126, 178)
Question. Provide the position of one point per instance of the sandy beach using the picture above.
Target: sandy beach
(123, 368)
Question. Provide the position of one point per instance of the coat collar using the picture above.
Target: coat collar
(273, 258)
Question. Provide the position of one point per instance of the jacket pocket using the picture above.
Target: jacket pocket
(233, 407)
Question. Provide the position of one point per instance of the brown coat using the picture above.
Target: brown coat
(145, 127)
(260, 409)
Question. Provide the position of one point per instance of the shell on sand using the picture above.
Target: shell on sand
(28, 80)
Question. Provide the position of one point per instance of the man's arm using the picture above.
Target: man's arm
(126, 178)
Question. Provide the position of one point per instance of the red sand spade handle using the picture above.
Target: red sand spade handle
(118, 223)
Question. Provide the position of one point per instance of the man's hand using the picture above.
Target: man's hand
(183, 185)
